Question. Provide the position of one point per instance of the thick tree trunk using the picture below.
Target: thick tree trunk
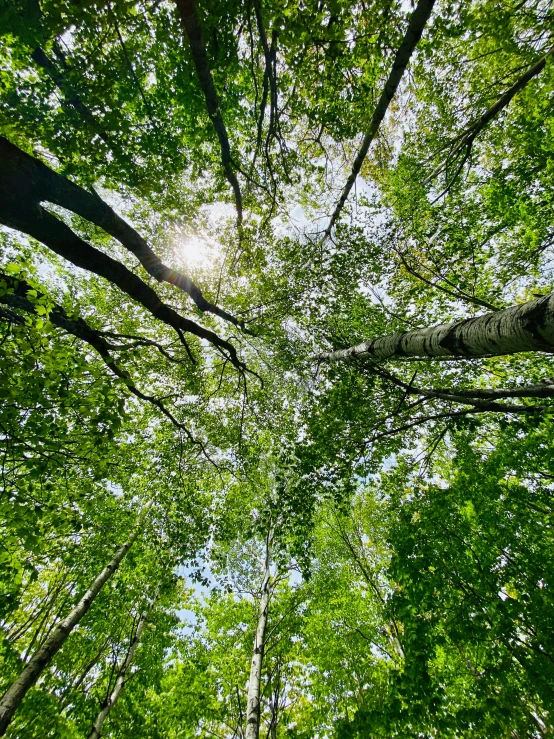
(416, 24)
(521, 328)
(254, 682)
(111, 700)
(51, 646)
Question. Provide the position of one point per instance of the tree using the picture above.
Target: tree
(44, 655)
(207, 208)
(122, 674)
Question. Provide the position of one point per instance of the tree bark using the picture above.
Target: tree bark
(29, 181)
(193, 30)
(521, 328)
(111, 700)
(416, 24)
(51, 646)
(254, 682)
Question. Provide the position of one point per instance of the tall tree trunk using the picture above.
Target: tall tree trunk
(254, 682)
(111, 700)
(416, 24)
(51, 646)
(193, 30)
(521, 328)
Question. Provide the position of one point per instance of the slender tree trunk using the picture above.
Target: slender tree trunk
(416, 24)
(65, 698)
(254, 682)
(111, 700)
(521, 328)
(193, 30)
(51, 646)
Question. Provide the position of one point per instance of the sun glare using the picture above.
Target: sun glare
(196, 251)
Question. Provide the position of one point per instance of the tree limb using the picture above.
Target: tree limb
(479, 398)
(26, 178)
(80, 329)
(464, 141)
(43, 226)
(462, 295)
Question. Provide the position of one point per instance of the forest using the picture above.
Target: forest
(276, 369)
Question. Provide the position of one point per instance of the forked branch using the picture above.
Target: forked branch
(25, 178)
(17, 299)
(462, 144)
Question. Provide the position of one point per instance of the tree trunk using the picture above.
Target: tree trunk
(193, 30)
(416, 24)
(51, 646)
(111, 700)
(254, 682)
(521, 328)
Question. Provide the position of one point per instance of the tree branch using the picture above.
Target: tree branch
(27, 178)
(464, 141)
(460, 295)
(80, 329)
(43, 226)
(479, 398)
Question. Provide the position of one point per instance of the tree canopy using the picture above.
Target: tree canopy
(276, 376)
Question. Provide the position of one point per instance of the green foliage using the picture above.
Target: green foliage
(399, 511)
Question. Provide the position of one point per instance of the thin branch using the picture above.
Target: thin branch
(83, 331)
(459, 295)
(464, 141)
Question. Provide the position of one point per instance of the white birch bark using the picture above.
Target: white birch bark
(110, 702)
(47, 651)
(522, 328)
(254, 682)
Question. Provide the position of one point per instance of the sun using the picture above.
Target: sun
(195, 251)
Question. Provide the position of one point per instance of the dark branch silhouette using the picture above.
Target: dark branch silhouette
(193, 30)
(463, 143)
(417, 22)
(28, 182)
